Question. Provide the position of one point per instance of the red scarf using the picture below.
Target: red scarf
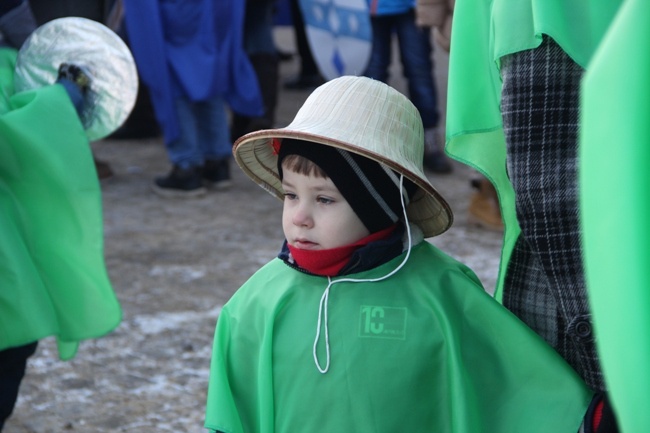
(329, 263)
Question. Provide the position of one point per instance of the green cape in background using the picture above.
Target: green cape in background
(53, 279)
(483, 31)
(615, 206)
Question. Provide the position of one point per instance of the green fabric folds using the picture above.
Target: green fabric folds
(425, 350)
(483, 32)
(615, 208)
(52, 271)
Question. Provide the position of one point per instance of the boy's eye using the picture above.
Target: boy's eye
(325, 200)
(289, 196)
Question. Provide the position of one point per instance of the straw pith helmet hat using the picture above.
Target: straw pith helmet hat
(363, 116)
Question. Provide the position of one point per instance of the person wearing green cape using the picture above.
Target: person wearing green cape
(513, 114)
(615, 207)
(53, 279)
(360, 324)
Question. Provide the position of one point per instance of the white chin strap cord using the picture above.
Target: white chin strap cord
(322, 308)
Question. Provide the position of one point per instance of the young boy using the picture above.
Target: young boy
(360, 325)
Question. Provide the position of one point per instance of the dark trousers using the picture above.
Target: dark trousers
(12, 370)
(307, 63)
(415, 54)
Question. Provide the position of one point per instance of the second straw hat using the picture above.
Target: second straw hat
(363, 116)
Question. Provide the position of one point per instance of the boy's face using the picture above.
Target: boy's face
(315, 214)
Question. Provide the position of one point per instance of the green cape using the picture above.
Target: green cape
(615, 194)
(52, 271)
(426, 350)
(483, 31)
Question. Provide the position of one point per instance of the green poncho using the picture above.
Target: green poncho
(483, 31)
(615, 193)
(426, 350)
(53, 280)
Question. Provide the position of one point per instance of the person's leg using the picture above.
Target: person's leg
(258, 27)
(13, 362)
(261, 50)
(185, 151)
(380, 55)
(309, 75)
(540, 100)
(267, 69)
(415, 51)
(214, 142)
(185, 155)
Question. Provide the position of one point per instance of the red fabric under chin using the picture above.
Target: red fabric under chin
(329, 263)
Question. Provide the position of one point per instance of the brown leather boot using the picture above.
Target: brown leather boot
(483, 208)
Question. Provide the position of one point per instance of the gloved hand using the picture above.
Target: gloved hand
(600, 416)
(76, 83)
(76, 75)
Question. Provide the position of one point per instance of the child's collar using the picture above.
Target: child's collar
(363, 258)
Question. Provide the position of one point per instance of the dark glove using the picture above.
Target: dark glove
(76, 83)
(600, 416)
(76, 75)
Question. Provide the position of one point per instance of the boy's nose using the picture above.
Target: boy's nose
(302, 217)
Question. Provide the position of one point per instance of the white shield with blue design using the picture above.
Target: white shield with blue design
(339, 34)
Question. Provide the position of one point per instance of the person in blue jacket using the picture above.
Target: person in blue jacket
(191, 56)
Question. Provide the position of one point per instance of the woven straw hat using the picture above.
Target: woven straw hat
(363, 116)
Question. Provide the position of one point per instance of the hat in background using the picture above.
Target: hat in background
(365, 117)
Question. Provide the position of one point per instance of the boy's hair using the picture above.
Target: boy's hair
(301, 165)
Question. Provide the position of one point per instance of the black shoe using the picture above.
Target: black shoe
(216, 173)
(180, 182)
(437, 162)
(304, 82)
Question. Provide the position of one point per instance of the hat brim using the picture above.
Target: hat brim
(255, 155)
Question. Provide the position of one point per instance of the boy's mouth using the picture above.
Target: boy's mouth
(304, 244)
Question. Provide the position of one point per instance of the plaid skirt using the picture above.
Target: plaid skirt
(544, 284)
